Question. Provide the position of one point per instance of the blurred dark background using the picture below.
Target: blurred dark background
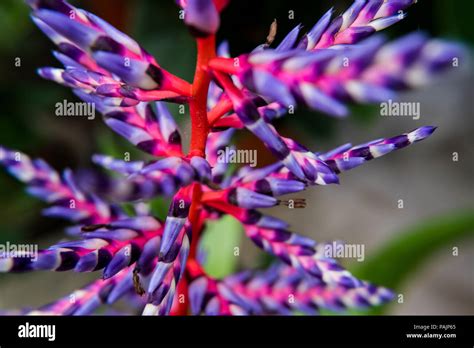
(28, 123)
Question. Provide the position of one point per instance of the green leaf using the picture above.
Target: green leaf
(159, 207)
(218, 242)
(394, 263)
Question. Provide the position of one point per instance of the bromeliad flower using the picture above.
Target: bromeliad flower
(153, 263)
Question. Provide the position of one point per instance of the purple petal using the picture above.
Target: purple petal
(201, 17)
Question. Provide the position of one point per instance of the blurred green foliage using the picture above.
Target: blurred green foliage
(394, 263)
(218, 243)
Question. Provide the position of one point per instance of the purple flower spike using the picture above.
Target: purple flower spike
(268, 291)
(324, 79)
(44, 182)
(84, 301)
(347, 157)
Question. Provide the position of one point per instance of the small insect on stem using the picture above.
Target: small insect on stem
(94, 227)
(293, 203)
(213, 186)
(136, 282)
(272, 33)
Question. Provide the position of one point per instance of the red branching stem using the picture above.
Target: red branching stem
(226, 82)
(231, 121)
(222, 107)
(206, 50)
(227, 65)
(196, 224)
(175, 84)
(156, 95)
(198, 104)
